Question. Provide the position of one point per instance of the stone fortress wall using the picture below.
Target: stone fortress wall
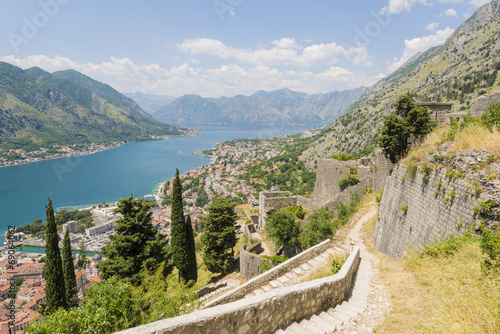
(250, 260)
(273, 200)
(415, 212)
(263, 313)
(482, 103)
(371, 172)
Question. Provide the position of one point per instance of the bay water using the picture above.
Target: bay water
(135, 168)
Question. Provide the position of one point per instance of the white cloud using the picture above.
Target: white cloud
(449, 12)
(478, 3)
(432, 26)
(285, 51)
(399, 6)
(419, 44)
(230, 79)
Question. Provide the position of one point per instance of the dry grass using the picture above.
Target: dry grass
(472, 136)
(475, 136)
(438, 295)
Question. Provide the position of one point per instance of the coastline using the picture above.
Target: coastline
(79, 154)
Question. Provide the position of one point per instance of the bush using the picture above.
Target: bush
(490, 246)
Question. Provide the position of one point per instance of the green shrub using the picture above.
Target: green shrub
(443, 248)
(490, 246)
(404, 209)
(351, 180)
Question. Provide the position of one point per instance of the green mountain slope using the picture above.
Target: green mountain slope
(39, 108)
(459, 70)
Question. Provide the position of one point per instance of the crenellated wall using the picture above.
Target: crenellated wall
(417, 211)
(263, 313)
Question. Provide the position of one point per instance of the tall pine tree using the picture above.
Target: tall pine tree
(178, 232)
(69, 272)
(219, 236)
(192, 271)
(136, 244)
(55, 292)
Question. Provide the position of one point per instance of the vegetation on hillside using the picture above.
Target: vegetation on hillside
(458, 71)
(286, 171)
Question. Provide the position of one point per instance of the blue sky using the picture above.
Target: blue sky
(226, 47)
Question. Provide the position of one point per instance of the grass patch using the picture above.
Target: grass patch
(441, 290)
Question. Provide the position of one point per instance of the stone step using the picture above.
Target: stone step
(341, 317)
(298, 271)
(258, 291)
(347, 309)
(305, 267)
(283, 279)
(329, 319)
(295, 328)
(279, 331)
(321, 324)
(275, 284)
(290, 275)
(267, 288)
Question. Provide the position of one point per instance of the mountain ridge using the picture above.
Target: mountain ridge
(282, 106)
(459, 70)
(67, 107)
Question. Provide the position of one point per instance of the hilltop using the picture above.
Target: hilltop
(458, 71)
(282, 106)
(67, 107)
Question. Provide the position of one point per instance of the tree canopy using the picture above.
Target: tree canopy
(408, 125)
(219, 235)
(137, 243)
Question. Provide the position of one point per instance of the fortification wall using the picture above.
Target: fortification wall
(263, 313)
(271, 274)
(250, 261)
(371, 172)
(432, 211)
(482, 103)
(303, 201)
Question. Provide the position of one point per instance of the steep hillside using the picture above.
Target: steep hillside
(151, 103)
(459, 70)
(277, 107)
(68, 107)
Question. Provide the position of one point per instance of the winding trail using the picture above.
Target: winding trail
(367, 302)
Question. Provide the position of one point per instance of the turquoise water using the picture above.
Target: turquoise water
(135, 168)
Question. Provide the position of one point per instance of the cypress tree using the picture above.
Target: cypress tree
(192, 271)
(178, 233)
(55, 292)
(69, 272)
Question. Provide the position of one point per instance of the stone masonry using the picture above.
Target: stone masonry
(271, 200)
(418, 211)
(371, 172)
(482, 104)
(263, 313)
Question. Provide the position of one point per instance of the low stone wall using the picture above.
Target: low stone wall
(271, 274)
(210, 288)
(250, 261)
(303, 201)
(263, 313)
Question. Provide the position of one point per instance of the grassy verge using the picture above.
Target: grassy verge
(440, 290)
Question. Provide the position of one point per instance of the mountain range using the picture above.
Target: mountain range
(458, 71)
(68, 107)
(282, 106)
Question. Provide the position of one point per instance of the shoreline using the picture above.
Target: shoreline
(62, 155)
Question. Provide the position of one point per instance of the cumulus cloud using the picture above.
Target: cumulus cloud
(449, 12)
(399, 6)
(419, 44)
(432, 26)
(478, 3)
(285, 51)
(230, 79)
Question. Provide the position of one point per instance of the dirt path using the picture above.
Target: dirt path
(378, 304)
